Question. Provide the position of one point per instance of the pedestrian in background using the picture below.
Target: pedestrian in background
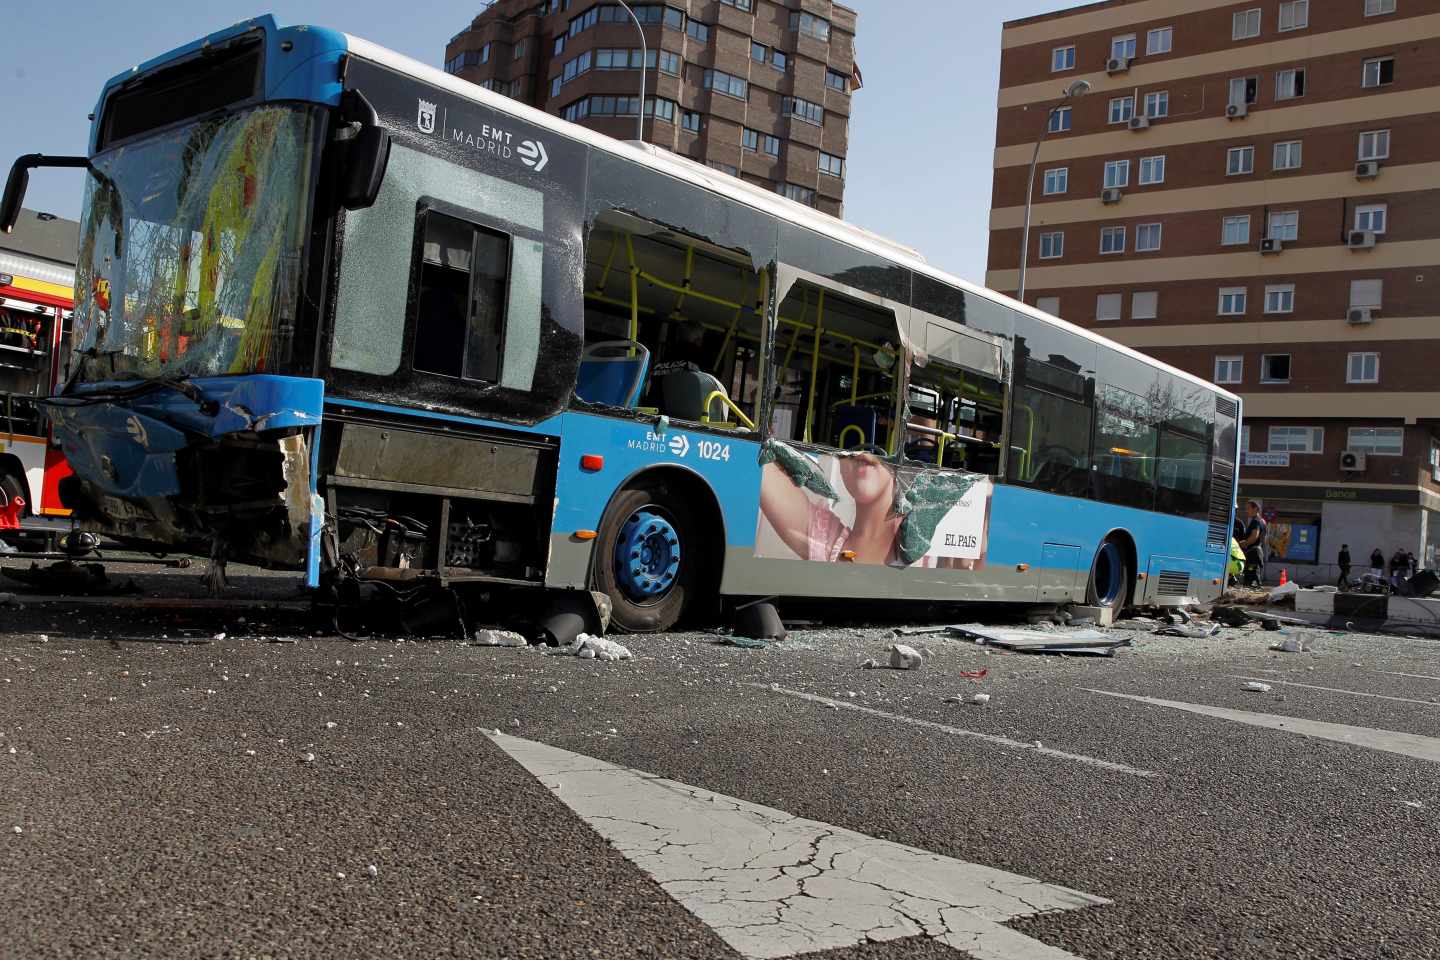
(1344, 562)
(1377, 564)
(1253, 544)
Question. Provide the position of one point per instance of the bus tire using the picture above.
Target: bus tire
(647, 556)
(1110, 576)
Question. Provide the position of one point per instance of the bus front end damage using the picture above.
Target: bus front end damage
(213, 466)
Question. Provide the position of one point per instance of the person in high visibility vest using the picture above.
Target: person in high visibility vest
(1236, 567)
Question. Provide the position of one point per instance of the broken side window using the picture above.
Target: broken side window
(464, 270)
(956, 399)
(674, 325)
(1050, 431)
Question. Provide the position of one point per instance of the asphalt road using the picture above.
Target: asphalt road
(169, 805)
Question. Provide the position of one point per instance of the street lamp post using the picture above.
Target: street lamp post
(1075, 91)
(644, 62)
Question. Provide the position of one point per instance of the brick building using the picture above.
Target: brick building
(1251, 191)
(759, 89)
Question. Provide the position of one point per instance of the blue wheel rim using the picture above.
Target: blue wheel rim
(647, 556)
(1108, 565)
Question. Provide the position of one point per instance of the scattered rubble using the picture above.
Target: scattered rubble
(905, 658)
(1255, 686)
(587, 647)
(489, 637)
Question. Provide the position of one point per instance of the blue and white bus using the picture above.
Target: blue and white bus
(340, 312)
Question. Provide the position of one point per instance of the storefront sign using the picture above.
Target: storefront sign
(1248, 459)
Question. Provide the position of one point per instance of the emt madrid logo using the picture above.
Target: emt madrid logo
(425, 120)
(532, 154)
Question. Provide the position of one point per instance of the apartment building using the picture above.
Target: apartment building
(1250, 191)
(758, 89)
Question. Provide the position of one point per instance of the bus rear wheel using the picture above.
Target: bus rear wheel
(1110, 577)
(646, 558)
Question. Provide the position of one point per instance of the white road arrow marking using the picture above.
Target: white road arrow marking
(773, 885)
(1389, 741)
(532, 154)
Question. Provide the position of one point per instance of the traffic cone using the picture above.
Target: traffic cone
(10, 514)
(1284, 578)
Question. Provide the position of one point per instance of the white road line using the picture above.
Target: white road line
(773, 885)
(962, 732)
(1348, 693)
(1412, 676)
(1389, 741)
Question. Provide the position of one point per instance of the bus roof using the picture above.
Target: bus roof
(685, 169)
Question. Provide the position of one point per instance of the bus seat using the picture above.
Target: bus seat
(613, 372)
(866, 419)
(683, 393)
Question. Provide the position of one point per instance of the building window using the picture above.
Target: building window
(738, 4)
(1052, 245)
(804, 110)
(1062, 58)
(690, 120)
(1366, 294)
(1244, 90)
(1123, 48)
(1157, 104)
(577, 111)
(485, 53)
(1159, 40)
(1239, 160)
(1275, 368)
(1284, 225)
(810, 25)
(1235, 230)
(559, 45)
(1057, 180)
(1374, 8)
(519, 50)
(1060, 120)
(1362, 368)
(1122, 109)
(836, 80)
(757, 142)
(729, 168)
(1144, 305)
(1375, 145)
(1377, 72)
(1289, 84)
(797, 193)
(1232, 301)
(1229, 370)
(1147, 237)
(1107, 306)
(1371, 217)
(572, 69)
(1377, 441)
(1280, 298)
(1296, 440)
(1245, 24)
(831, 165)
(1245, 438)
(1287, 155)
(670, 63)
(1050, 305)
(699, 32)
(661, 109)
(1112, 239)
(730, 86)
(1152, 170)
(1295, 15)
(1117, 173)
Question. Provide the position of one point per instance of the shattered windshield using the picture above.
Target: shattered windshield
(190, 248)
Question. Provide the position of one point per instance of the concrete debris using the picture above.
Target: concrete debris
(308, 758)
(331, 725)
(905, 658)
(869, 665)
(19, 830)
(1284, 591)
(373, 870)
(249, 753)
(1290, 645)
(1255, 686)
(976, 698)
(587, 647)
(1190, 633)
(1042, 641)
(485, 637)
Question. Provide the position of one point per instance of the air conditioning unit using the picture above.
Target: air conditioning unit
(1110, 195)
(1360, 239)
(1359, 316)
(1271, 245)
(1352, 461)
(1237, 110)
(1367, 169)
(1117, 65)
(1139, 123)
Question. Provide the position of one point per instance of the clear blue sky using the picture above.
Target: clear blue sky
(920, 141)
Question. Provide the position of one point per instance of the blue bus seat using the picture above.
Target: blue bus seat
(866, 418)
(613, 373)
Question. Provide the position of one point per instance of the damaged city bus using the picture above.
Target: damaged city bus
(340, 312)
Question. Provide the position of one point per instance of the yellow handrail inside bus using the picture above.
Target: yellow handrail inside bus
(724, 398)
(1029, 443)
(843, 433)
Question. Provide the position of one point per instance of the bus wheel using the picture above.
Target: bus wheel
(645, 559)
(1109, 577)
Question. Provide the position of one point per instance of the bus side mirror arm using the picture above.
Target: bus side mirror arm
(19, 181)
(365, 147)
